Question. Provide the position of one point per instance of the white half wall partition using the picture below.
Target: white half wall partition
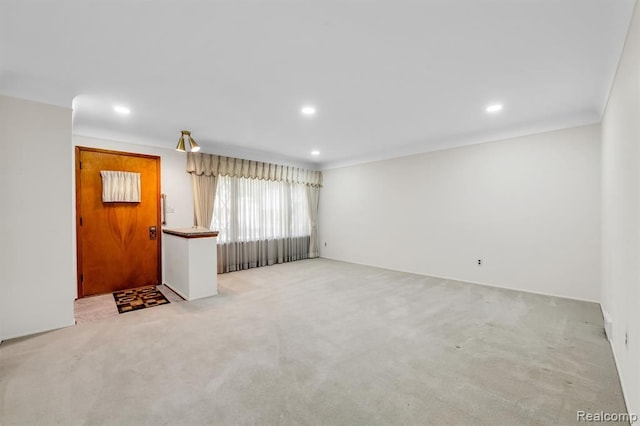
(37, 275)
(527, 208)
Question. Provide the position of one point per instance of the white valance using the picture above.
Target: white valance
(214, 165)
(122, 187)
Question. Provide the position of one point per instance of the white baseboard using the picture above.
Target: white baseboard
(176, 291)
(466, 281)
(608, 318)
(28, 333)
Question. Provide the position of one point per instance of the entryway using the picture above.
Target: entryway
(119, 242)
(103, 306)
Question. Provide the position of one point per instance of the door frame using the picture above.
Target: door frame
(78, 152)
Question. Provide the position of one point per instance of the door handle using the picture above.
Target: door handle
(153, 233)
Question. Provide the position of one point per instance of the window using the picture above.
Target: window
(257, 210)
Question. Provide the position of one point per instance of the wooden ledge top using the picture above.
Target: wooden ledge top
(191, 232)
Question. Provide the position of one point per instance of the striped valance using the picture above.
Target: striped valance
(217, 165)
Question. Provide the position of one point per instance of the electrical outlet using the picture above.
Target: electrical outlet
(626, 339)
(479, 262)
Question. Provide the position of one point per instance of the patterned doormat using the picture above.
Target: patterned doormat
(138, 298)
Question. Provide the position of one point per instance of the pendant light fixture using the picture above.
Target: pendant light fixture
(192, 143)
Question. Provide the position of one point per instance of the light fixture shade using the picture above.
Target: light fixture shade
(180, 146)
(193, 145)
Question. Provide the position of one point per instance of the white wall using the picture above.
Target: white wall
(175, 181)
(621, 210)
(37, 276)
(528, 207)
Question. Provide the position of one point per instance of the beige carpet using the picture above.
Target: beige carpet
(320, 342)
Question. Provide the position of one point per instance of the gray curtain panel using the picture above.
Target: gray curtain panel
(236, 256)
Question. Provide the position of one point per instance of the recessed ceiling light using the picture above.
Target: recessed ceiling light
(493, 108)
(315, 152)
(121, 109)
(308, 110)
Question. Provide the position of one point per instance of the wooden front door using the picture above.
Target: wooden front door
(118, 242)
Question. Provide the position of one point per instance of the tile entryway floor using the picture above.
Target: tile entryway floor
(96, 308)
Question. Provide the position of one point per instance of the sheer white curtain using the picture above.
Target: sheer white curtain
(260, 222)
